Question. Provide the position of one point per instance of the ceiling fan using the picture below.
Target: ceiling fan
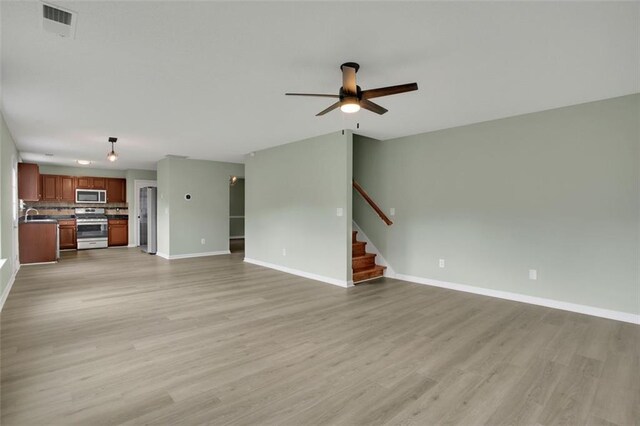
(351, 98)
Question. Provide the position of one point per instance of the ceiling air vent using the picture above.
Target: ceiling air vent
(58, 21)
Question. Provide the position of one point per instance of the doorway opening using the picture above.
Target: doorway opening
(138, 185)
(236, 214)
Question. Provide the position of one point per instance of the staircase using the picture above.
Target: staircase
(363, 263)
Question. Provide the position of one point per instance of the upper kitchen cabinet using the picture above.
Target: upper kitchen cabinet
(116, 190)
(50, 188)
(99, 183)
(85, 182)
(58, 188)
(28, 182)
(88, 182)
(68, 188)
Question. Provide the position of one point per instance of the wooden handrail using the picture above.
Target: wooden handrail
(372, 203)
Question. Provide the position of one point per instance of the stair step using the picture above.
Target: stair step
(357, 249)
(367, 274)
(366, 261)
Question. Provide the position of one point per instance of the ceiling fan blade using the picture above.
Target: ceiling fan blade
(372, 107)
(391, 90)
(312, 94)
(349, 80)
(331, 108)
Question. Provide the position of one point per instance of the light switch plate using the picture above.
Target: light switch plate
(392, 211)
(339, 211)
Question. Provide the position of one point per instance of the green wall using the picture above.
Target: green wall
(556, 191)
(236, 208)
(46, 169)
(292, 193)
(8, 158)
(183, 223)
(163, 212)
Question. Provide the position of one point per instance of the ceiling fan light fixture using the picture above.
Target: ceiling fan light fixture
(351, 97)
(112, 156)
(350, 105)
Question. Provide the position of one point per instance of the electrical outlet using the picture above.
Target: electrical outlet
(392, 211)
(533, 274)
(202, 241)
(441, 263)
(284, 251)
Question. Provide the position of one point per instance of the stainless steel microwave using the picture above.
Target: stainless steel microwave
(91, 196)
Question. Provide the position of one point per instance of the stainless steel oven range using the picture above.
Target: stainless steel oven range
(91, 228)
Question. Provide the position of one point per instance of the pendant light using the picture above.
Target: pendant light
(112, 156)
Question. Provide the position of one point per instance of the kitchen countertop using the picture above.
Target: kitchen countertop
(118, 216)
(41, 217)
(44, 218)
(55, 217)
(22, 222)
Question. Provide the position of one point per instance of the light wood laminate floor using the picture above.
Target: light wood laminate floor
(120, 337)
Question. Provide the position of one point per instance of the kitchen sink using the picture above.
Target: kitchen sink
(41, 221)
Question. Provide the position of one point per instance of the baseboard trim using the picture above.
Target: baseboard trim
(190, 255)
(7, 289)
(132, 245)
(532, 300)
(322, 278)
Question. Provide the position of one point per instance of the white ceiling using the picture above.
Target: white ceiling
(207, 79)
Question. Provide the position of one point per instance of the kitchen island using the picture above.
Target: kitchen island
(38, 241)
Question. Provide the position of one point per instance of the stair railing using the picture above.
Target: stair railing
(372, 203)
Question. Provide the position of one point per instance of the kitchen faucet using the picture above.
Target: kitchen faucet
(26, 214)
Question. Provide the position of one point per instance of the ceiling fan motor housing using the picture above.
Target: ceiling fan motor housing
(344, 94)
(353, 65)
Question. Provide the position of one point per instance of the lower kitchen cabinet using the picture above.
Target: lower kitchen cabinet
(118, 232)
(68, 237)
(37, 242)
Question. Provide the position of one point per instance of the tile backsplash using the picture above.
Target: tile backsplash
(66, 208)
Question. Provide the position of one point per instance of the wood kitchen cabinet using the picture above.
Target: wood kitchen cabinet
(28, 182)
(89, 182)
(116, 190)
(84, 182)
(58, 188)
(118, 232)
(99, 183)
(68, 188)
(37, 242)
(49, 187)
(68, 236)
